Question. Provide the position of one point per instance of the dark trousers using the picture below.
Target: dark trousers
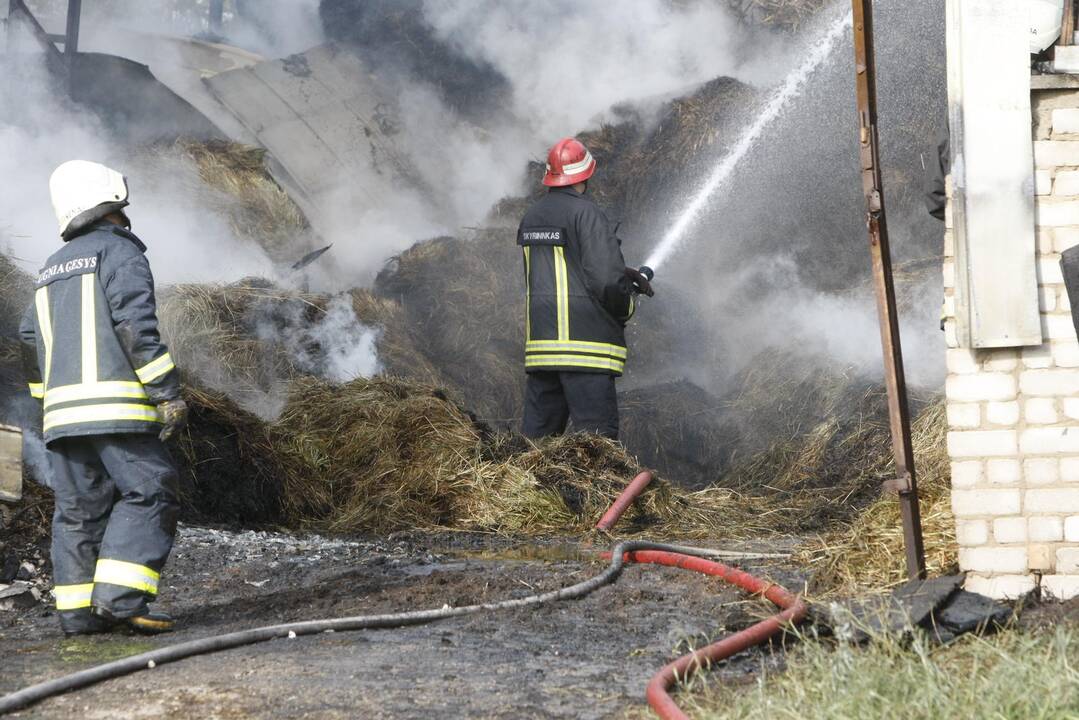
(553, 398)
(115, 519)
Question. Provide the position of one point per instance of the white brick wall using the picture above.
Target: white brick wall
(984, 386)
(996, 560)
(1004, 472)
(1009, 531)
(1041, 411)
(1045, 529)
(972, 533)
(1013, 413)
(1043, 182)
(1065, 121)
(1061, 587)
(985, 502)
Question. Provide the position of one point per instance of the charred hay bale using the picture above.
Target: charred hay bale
(398, 350)
(384, 454)
(228, 466)
(786, 15)
(462, 303)
(25, 531)
(16, 292)
(236, 337)
(639, 160)
(677, 428)
(827, 446)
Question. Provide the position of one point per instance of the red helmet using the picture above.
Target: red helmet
(568, 163)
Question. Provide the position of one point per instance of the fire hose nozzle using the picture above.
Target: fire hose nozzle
(641, 279)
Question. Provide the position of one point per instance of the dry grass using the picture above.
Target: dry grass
(254, 203)
(868, 554)
(213, 331)
(463, 313)
(395, 453)
(384, 454)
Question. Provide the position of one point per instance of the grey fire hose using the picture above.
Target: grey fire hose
(172, 653)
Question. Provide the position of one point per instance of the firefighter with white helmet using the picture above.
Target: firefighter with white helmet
(111, 397)
(579, 297)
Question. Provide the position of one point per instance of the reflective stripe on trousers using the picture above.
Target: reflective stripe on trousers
(125, 574)
(73, 597)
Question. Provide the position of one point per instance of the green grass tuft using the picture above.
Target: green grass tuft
(1014, 675)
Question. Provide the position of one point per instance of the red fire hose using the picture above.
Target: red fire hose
(626, 551)
(793, 609)
(614, 512)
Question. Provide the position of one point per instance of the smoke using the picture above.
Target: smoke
(24, 413)
(522, 75)
(570, 62)
(779, 259)
(183, 224)
(566, 65)
(771, 306)
(272, 28)
(337, 347)
(186, 225)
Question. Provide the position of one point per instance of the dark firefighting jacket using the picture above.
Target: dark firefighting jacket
(578, 297)
(92, 351)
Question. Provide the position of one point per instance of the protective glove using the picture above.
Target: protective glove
(641, 286)
(174, 415)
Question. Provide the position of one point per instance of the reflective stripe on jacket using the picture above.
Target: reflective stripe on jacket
(92, 348)
(578, 297)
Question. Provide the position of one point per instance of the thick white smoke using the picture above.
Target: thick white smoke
(188, 238)
(567, 64)
(336, 347)
(570, 61)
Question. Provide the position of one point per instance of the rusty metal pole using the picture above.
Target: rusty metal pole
(898, 412)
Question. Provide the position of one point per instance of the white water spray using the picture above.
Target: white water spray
(786, 92)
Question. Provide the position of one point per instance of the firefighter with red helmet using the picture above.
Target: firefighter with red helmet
(579, 297)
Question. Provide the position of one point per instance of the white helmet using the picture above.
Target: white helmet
(83, 192)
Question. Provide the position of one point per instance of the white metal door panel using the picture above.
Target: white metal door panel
(992, 173)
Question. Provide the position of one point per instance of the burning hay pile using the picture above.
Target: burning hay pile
(272, 441)
(461, 312)
(231, 336)
(382, 454)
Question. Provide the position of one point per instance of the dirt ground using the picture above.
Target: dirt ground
(589, 658)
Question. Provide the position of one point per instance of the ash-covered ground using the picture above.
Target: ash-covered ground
(589, 658)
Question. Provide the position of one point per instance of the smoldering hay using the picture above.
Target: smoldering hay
(428, 443)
